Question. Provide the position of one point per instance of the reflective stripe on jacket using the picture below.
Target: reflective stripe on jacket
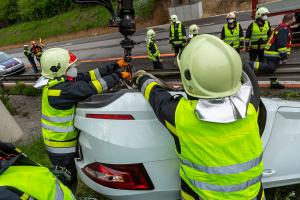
(58, 130)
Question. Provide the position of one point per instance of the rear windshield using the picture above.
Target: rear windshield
(4, 56)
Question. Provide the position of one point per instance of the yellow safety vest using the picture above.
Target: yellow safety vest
(35, 181)
(60, 136)
(259, 33)
(233, 38)
(176, 37)
(219, 160)
(156, 54)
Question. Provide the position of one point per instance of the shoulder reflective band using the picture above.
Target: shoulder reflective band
(94, 74)
(59, 194)
(58, 129)
(60, 150)
(97, 85)
(231, 188)
(104, 84)
(54, 93)
(58, 119)
(171, 127)
(145, 84)
(232, 169)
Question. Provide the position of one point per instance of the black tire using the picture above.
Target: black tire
(262, 117)
(250, 75)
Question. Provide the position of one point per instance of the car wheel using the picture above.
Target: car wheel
(249, 76)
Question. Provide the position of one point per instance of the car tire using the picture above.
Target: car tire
(250, 75)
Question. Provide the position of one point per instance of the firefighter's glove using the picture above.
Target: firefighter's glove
(122, 63)
(138, 75)
(62, 173)
(125, 76)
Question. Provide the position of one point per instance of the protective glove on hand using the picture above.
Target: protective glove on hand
(138, 75)
(122, 63)
(125, 76)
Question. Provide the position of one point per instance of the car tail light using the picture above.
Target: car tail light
(110, 116)
(123, 177)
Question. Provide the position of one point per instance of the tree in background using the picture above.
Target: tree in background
(9, 12)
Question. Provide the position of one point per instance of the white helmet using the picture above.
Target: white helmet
(56, 61)
(210, 68)
(151, 34)
(231, 15)
(260, 12)
(174, 18)
(194, 29)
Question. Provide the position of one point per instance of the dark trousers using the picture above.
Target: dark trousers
(256, 53)
(157, 64)
(68, 162)
(177, 48)
(32, 62)
(269, 66)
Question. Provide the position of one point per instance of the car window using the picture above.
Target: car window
(4, 56)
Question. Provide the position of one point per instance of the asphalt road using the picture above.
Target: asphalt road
(100, 50)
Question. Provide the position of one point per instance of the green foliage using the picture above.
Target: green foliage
(9, 11)
(22, 89)
(76, 20)
(144, 8)
(34, 148)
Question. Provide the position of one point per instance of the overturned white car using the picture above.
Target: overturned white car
(126, 153)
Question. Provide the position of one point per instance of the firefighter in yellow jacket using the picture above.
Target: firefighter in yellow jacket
(215, 126)
(22, 178)
(152, 49)
(63, 88)
(232, 33)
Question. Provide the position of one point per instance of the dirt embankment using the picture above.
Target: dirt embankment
(217, 7)
(28, 115)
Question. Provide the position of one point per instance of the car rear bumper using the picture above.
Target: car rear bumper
(157, 172)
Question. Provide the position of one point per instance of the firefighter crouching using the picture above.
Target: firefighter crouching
(277, 50)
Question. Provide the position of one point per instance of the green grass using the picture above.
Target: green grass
(20, 89)
(34, 148)
(76, 20)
